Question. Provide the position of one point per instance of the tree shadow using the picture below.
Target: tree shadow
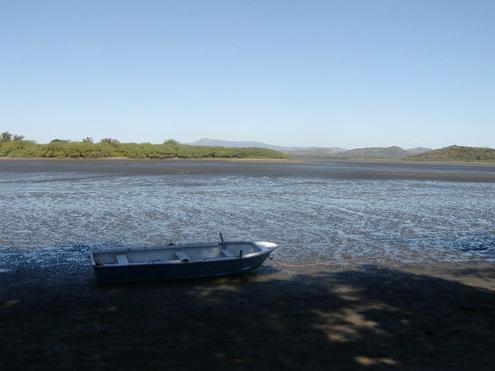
(355, 319)
(484, 273)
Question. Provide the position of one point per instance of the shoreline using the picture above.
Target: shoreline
(247, 159)
(339, 170)
(296, 159)
(395, 161)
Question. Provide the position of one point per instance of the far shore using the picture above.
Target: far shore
(247, 159)
(392, 161)
(262, 160)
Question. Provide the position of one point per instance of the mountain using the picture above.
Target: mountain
(418, 150)
(457, 153)
(393, 152)
(296, 151)
(232, 144)
(317, 152)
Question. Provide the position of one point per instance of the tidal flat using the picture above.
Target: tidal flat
(407, 277)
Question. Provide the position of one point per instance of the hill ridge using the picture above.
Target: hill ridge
(457, 153)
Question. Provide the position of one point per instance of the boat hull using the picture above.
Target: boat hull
(166, 271)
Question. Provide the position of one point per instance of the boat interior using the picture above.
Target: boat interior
(176, 254)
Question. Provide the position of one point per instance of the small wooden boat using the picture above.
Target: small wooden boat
(190, 260)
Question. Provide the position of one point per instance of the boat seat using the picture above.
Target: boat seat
(229, 253)
(122, 259)
(182, 255)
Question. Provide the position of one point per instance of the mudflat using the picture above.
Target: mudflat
(369, 309)
(439, 316)
(331, 169)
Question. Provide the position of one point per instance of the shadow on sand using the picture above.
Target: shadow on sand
(357, 319)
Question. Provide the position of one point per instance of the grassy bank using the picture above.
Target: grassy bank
(108, 148)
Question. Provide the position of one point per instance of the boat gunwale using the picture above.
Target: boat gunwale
(263, 250)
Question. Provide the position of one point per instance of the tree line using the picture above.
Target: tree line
(16, 146)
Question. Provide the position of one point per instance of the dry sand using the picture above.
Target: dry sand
(430, 317)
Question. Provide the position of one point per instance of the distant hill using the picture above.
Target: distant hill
(417, 150)
(393, 152)
(296, 151)
(232, 144)
(457, 153)
(316, 152)
(319, 152)
(375, 152)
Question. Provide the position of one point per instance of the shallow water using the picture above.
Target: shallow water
(341, 212)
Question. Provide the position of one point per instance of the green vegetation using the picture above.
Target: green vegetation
(374, 153)
(17, 146)
(457, 153)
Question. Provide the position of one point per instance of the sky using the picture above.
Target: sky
(294, 73)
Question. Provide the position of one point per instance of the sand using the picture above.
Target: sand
(438, 316)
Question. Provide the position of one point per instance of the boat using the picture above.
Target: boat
(177, 261)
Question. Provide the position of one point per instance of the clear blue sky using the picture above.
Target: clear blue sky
(326, 73)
